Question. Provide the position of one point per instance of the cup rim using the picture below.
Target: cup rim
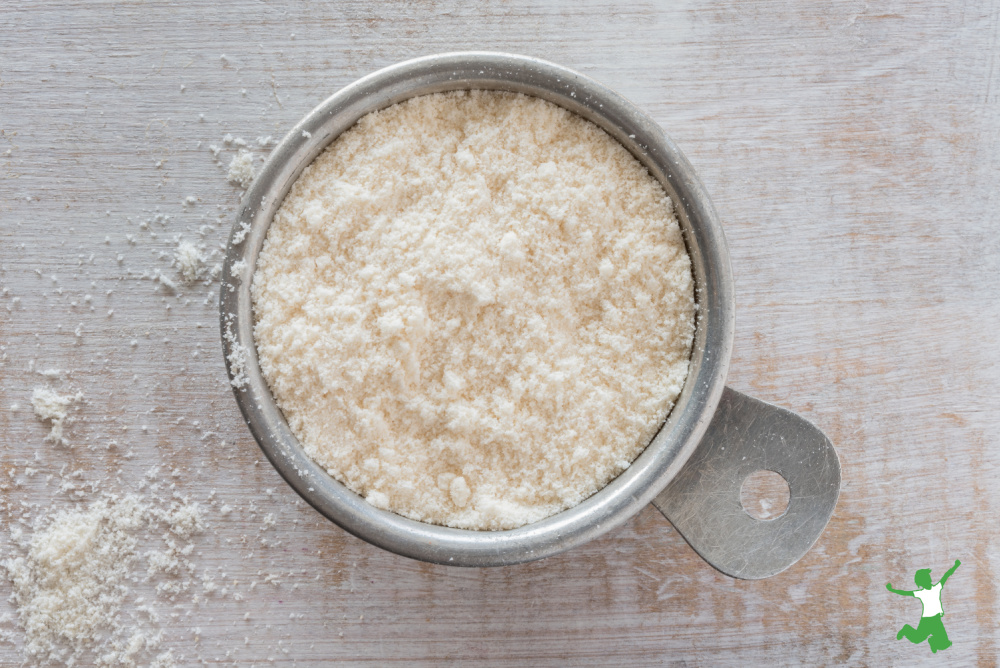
(684, 426)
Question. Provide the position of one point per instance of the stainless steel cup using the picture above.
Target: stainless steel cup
(710, 442)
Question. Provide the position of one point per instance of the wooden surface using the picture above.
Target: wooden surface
(852, 151)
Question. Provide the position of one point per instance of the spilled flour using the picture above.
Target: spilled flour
(71, 584)
(190, 261)
(241, 170)
(54, 407)
(474, 309)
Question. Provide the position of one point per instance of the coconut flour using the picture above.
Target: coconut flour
(54, 407)
(474, 309)
(72, 584)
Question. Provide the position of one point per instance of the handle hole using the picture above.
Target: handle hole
(764, 495)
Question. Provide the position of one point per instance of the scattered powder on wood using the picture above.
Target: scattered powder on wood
(474, 309)
(52, 406)
(70, 586)
(241, 171)
(190, 261)
(238, 356)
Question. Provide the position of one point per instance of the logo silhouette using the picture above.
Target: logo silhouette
(931, 628)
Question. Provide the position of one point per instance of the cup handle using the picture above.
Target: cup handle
(703, 501)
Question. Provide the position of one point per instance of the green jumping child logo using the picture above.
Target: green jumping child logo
(931, 627)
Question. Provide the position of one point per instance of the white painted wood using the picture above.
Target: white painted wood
(852, 151)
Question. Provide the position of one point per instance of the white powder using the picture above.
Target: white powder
(238, 357)
(474, 309)
(241, 234)
(167, 283)
(237, 268)
(241, 170)
(49, 405)
(186, 520)
(190, 261)
(72, 583)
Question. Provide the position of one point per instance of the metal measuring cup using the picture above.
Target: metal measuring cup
(710, 442)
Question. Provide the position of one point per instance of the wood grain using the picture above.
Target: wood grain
(852, 151)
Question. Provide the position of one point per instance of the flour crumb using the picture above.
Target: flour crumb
(241, 169)
(164, 660)
(186, 521)
(190, 261)
(241, 233)
(238, 358)
(49, 405)
(166, 282)
(237, 268)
